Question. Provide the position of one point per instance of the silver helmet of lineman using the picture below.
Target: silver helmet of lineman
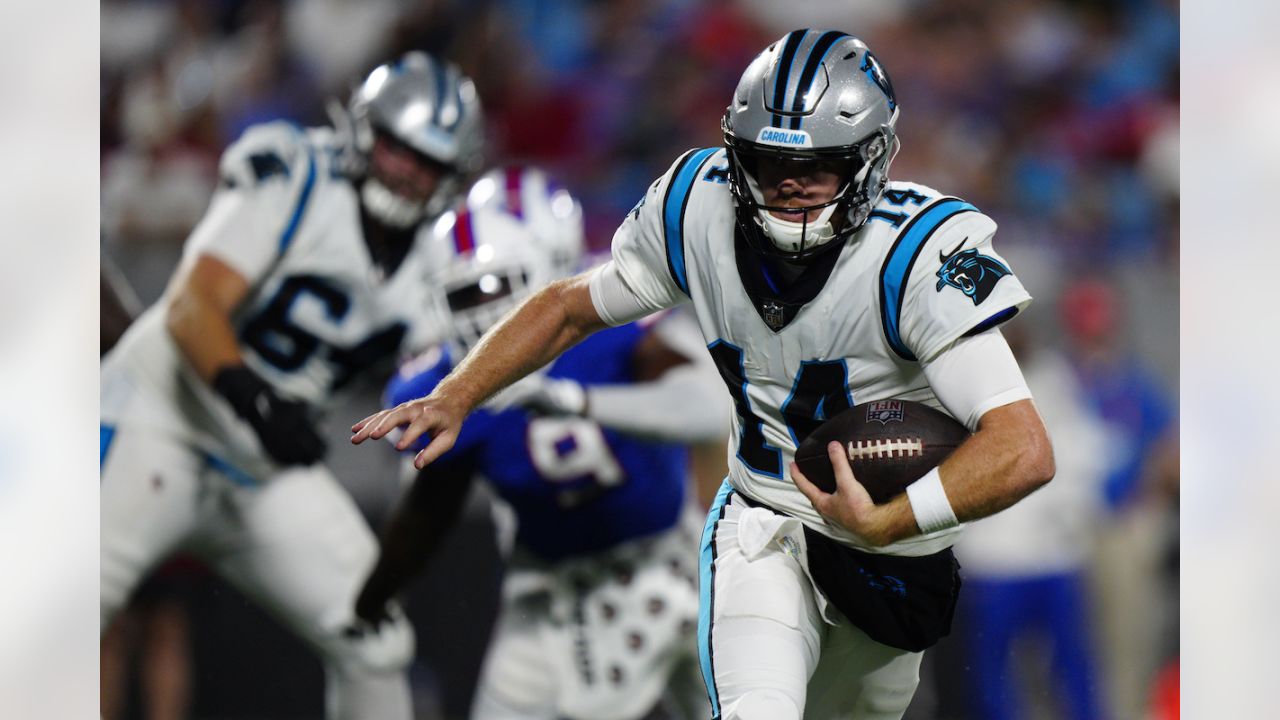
(430, 106)
(518, 231)
(817, 98)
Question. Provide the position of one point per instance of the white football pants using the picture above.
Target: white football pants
(607, 637)
(765, 650)
(295, 544)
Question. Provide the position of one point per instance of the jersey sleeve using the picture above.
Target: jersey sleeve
(976, 374)
(643, 254)
(956, 284)
(265, 180)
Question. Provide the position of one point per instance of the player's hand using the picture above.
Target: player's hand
(850, 506)
(542, 395)
(373, 614)
(284, 427)
(432, 415)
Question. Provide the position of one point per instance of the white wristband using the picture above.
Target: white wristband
(929, 503)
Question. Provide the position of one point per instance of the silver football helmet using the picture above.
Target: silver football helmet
(429, 106)
(815, 99)
(505, 247)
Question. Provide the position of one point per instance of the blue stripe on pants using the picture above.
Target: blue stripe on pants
(706, 594)
(105, 434)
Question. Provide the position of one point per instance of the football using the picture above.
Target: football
(890, 444)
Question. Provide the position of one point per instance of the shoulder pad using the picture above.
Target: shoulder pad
(682, 181)
(902, 187)
(264, 153)
(693, 164)
(900, 201)
(937, 278)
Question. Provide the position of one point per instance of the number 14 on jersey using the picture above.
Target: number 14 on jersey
(820, 390)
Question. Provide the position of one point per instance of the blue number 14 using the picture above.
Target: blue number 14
(820, 391)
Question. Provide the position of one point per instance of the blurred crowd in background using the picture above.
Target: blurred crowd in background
(1058, 119)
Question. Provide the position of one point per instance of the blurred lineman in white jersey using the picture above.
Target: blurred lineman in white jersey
(309, 273)
(818, 284)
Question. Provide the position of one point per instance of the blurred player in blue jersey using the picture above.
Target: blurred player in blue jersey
(818, 284)
(600, 600)
(308, 274)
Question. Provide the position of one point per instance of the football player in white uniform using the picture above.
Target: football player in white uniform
(818, 284)
(309, 272)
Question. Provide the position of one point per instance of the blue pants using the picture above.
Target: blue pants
(1000, 611)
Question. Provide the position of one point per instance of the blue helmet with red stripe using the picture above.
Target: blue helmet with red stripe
(815, 99)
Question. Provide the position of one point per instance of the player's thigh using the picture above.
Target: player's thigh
(518, 679)
(149, 504)
(638, 624)
(298, 545)
(859, 677)
(759, 627)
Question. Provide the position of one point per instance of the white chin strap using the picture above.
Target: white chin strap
(791, 236)
(389, 208)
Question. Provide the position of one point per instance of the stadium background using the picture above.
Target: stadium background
(1059, 119)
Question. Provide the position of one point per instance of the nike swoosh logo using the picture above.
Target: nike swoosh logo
(943, 258)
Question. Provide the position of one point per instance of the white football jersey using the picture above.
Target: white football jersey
(319, 313)
(853, 328)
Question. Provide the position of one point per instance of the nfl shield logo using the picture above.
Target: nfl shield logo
(773, 315)
(885, 411)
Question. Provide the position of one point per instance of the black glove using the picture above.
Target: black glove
(283, 426)
(373, 604)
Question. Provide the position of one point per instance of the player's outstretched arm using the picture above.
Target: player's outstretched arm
(675, 394)
(543, 326)
(1004, 461)
(678, 395)
(412, 536)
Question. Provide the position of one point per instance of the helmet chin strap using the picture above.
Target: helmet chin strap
(789, 236)
(792, 236)
(389, 208)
